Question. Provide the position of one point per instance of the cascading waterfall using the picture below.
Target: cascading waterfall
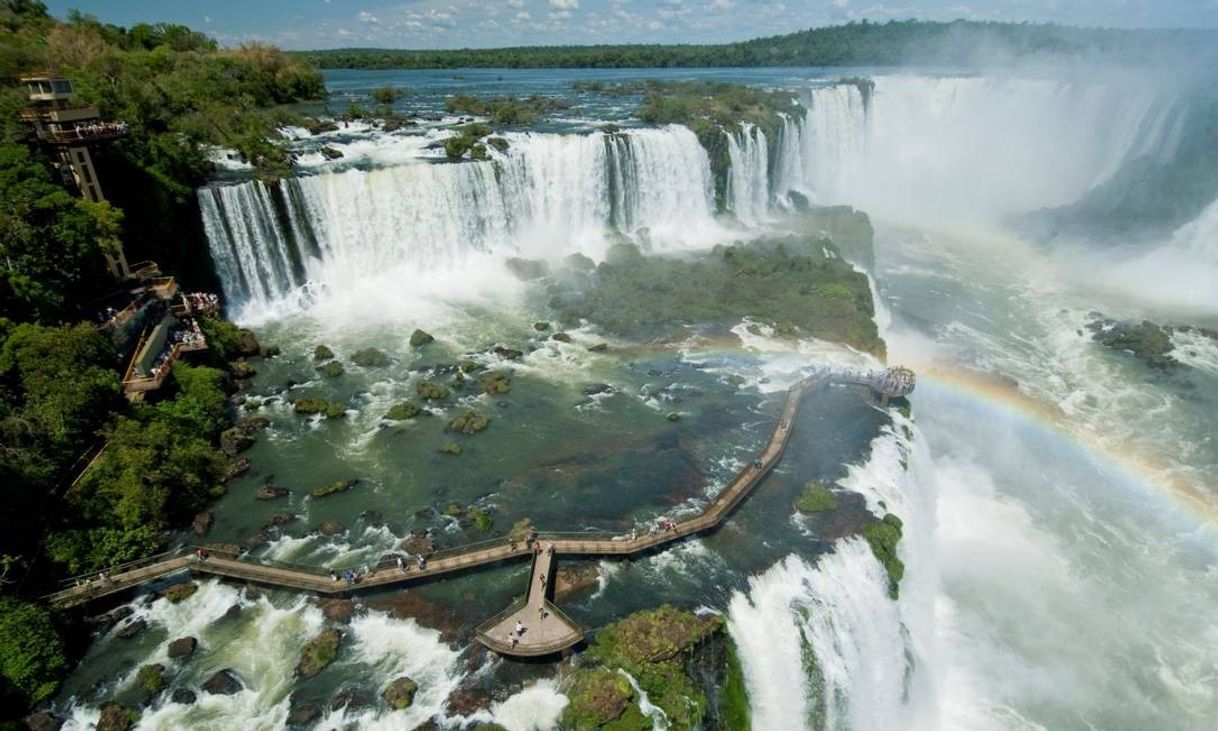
(748, 181)
(548, 194)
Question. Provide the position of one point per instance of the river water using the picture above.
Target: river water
(1058, 497)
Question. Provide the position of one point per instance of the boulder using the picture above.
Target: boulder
(321, 353)
(309, 406)
(598, 388)
(131, 629)
(182, 647)
(279, 519)
(400, 693)
(236, 468)
(305, 713)
(318, 652)
(180, 592)
(247, 343)
(579, 263)
(330, 153)
(541, 326)
(330, 528)
(429, 391)
(673, 416)
(151, 678)
(332, 369)
(337, 610)
(202, 523)
(351, 698)
(43, 721)
(561, 337)
(271, 351)
(419, 543)
(450, 448)
(223, 682)
(470, 422)
(251, 424)
(184, 696)
(527, 269)
(403, 411)
(508, 353)
(468, 701)
(419, 338)
(333, 488)
(235, 440)
(113, 718)
(255, 540)
(240, 369)
(369, 358)
(271, 492)
(495, 382)
(598, 348)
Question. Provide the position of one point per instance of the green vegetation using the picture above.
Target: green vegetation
(470, 422)
(180, 592)
(521, 530)
(431, 391)
(653, 646)
(419, 338)
(333, 488)
(815, 498)
(450, 448)
(331, 369)
(32, 657)
(601, 698)
(403, 411)
(482, 519)
(893, 43)
(310, 406)
(151, 678)
(318, 652)
(505, 110)
(883, 536)
(789, 283)
(734, 705)
(387, 95)
(369, 358)
(466, 140)
(495, 382)
(1147, 341)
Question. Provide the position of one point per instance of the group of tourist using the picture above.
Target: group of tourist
(95, 129)
(351, 577)
(202, 303)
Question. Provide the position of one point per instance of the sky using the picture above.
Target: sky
(309, 24)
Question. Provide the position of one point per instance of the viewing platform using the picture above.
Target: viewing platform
(547, 630)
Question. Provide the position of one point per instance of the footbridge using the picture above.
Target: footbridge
(543, 629)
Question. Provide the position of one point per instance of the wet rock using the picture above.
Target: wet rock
(337, 610)
(400, 693)
(425, 513)
(573, 578)
(228, 550)
(180, 592)
(579, 263)
(561, 337)
(419, 338)
(279, 519)
(318, 652)
(495, 382)
(240, 369)
(332, 369)
(131, 629)
(351, 699)
(509, 353)
(598, 388)
(527, 269)
(419, 543)
(541, 326)
(303, 714)
(251, 424)
(113, 718)
(329, 153)
(271, 492)
(330, 528)
(182, 647)
(184, 696)
(333, 488)
(430, 391)
(233, 612)
(271, 351)
(236, 468)
(469, 422)
(257, 540)
(468, 701)
(43, 721)
(369, 358)
(151, 679)
(450, 448)
(234, 441)
(202, 523)
(105, 621)
(598, 348)
(673, 416)
(247, 343)
(223, 682)
(403, 411)
(321, 352)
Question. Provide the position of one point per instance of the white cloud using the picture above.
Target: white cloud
(366, 17)
(564, 4)
(841, 4)
(655, 25)
(206, 18)
(516, 3)
(727, 4)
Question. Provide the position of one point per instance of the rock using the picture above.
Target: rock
(337, 610)
(541, 326)
(673, 416)
(419, 338)
(309, 406)
(234, 441)
(333, 488)
(303, 714)
(598, 388)
(182, 647)
(113, 718)
(318, 652)
(247, 343)
(400, 693)
(332, 369)
(598, 348)
(330, 154)
(271, 492)
(180, 592)
(495, 382)
(403, 411)
(429, 391)
(419, 544)
(241, 370)
(573, 578)
(236, 468)
(109, 619)
(223, 682)
(351, 698)
(43, 721)
(450, 448)
(470, 422)
(202, 523)
(281, 519)
(251, 424)
(467, 366)
(369, 358)
(184, 696)
(468, 701)
(330, 528)
(151, 678)
(579, 263)
(509, 353)
(425, 513)
(561, 337)
(131, 629)
(527, 269)
(255, 540)
(815, 498)
(598, 697)
(271, 351)
(228, 550)
(321, 353)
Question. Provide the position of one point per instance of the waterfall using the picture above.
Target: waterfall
(548, 194)
(748, 181)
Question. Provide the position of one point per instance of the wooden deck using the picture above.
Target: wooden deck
(552, 634)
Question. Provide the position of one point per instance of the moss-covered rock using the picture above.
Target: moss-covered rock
(322, 352)
(333, 488)
(815, 498)
(419, 338)
(450, 448)
(180, 592)
(541, 326)
(883, 536)
(400, 693)
(116, 718)
(673, 416)
(495, 382)
(318, 652)
(470, 422)
(310, 406)
(467, 366)
(331, 369)
(599, 698)
(369, 358)
(579, 263)
(481, 519)
(431, 391)
(403, 411)
(151, 678)
(521, 530)
(561, 337)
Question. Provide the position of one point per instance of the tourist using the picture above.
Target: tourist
(401, 564)
(514, 640)
(333, 576)
(520, 628)
(367, 570)
(543, 581)
(550, 548)
(422, 563)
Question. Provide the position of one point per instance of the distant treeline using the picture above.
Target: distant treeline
(855, 44)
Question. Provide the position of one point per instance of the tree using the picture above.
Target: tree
(387, 95)
(32, 655)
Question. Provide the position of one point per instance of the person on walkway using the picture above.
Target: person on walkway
(550, 548)
(520, 628)
(333, 576)
(401, 564)
(367, 570)
(543, 581)
(515, 640)
(422, 563)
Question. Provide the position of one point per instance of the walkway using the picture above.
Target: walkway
(318, 579)
(535, 626)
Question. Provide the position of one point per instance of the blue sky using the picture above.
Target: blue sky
(482, 23)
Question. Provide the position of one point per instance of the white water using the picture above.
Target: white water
(549, 195)
(748, 182)
(973, 149)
